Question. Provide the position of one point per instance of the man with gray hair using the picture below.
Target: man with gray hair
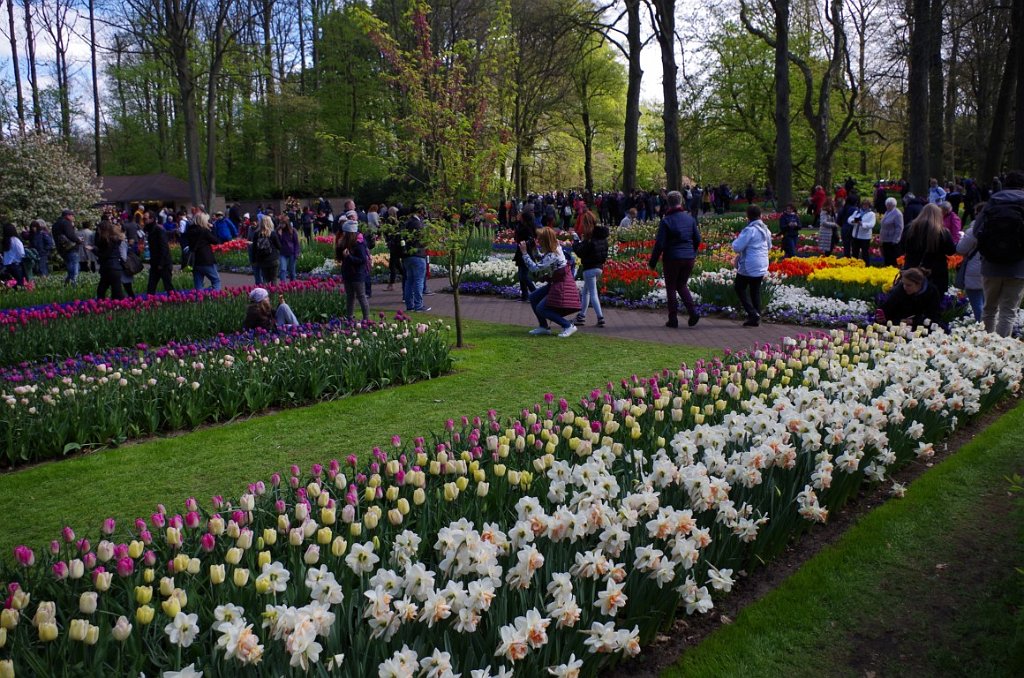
(678, 239)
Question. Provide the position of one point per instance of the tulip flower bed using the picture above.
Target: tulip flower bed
(59, 330)
(552, 542)
(125, 394)
(52, 290)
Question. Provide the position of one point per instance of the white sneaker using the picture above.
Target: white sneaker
(538, 331)
(568, 331)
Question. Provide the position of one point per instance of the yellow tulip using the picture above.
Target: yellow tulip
(240, 577)
(48, 632)
(171, 607)
(144, 615)
(143, 594)
(217, 574)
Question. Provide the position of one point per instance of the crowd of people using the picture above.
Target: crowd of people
(923, 233)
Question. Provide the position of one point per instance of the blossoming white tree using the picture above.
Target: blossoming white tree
(41, 177)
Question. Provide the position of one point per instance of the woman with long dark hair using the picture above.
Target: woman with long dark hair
(111, 251)
(927, 245)
(350, 250)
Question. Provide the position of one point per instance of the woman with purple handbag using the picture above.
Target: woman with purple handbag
(560, 297)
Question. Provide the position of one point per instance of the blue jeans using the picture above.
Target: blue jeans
(415, 278)
(43, 264)
(288, 267)
(977, 299)
(538, 300)
(200, 272)
(590, 297)
(789, 245)
(71, 262)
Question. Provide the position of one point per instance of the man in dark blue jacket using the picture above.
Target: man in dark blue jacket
(678, 240)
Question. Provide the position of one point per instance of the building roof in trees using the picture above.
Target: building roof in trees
(145, 188)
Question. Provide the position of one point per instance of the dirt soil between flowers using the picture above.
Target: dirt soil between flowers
(906, 640)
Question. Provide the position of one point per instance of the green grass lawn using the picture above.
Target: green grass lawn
(503, 369)
(923, 586)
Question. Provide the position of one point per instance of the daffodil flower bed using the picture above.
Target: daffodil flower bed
(552, 542)
(82, 326)
(125, 394)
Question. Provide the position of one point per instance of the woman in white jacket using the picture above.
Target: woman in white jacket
(863, 222)
(752, 246)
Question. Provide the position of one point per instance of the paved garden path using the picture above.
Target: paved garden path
(711, 332)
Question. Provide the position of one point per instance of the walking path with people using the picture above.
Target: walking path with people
(711, 332)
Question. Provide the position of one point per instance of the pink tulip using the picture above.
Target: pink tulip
(140, 524)
(83, 545)
(351, 459)
(121, 551)
(25, 556)
(176, 521)
(149, 558)
(218, 502)
(192, 520)
(293, 481)
(208, 542)
(60, 570)
(239, 517)
(108, 526)
(125, 567)
(160, 509)
(295, 470)
(157, 519)
(275, 479)
(191, 504)
(146, 536)
(90, 560)
(54, 547)
(261, 488)
(69, 534)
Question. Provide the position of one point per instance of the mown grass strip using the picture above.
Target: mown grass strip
(925, 585)
(504, 369)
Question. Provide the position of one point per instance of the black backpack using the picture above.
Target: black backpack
(263, 247)
(1001, 233)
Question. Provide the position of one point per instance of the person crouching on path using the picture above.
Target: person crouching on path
(350, 250)
(260, 314)
(752, 246)
(914, 299)
(549, 301)
(678, 239)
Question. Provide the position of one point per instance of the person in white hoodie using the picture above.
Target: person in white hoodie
(863, 222)
(752, 246)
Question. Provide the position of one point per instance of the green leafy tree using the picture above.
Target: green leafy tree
(41, 178)
(449, 134)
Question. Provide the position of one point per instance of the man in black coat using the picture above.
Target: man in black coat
(160, 262)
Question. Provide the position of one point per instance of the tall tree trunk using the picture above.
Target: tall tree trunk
(1017, 24)
(1004, 101)
(631, 134)
(314, 40)
(949, 169)
(917, 99)
(95, 88)
(588, 152)
(783, 137)
(302, 48)
(33, 78)
(665, 30)
(14, 65)
(936, 96)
